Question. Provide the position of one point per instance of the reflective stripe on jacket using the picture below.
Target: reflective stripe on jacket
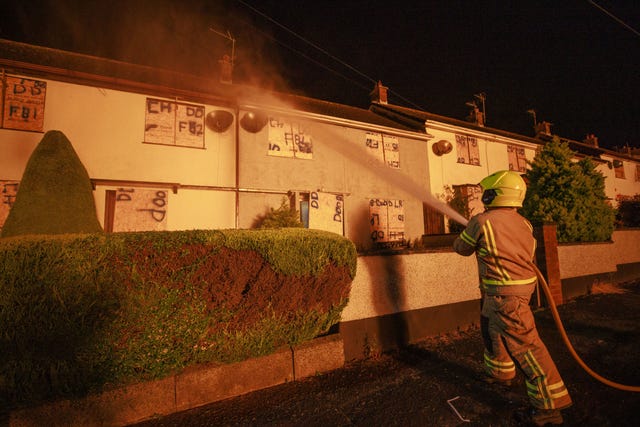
(504, 245)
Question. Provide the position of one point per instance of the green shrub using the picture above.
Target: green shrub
(55, 194)
(78, 312)
(568, 194)
(283, 217)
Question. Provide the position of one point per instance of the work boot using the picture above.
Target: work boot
(540, 417)
(491, 380)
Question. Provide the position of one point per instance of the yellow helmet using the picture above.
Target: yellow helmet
(503, 188)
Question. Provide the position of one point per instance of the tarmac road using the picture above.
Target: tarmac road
(436, 382)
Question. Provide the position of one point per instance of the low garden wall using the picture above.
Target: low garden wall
(584, 265)
(397, 299)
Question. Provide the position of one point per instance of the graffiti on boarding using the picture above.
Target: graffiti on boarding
(174, 123)
(141, 209)
(326, 211)
(23, 104)
(386, 218)
(385, 148)
(8, 192)
(288, 139)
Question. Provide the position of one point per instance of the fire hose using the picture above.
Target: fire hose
(565, 338)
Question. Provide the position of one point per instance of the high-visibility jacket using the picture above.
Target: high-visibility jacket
(504, 244)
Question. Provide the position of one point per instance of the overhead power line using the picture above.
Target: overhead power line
(305, 56)
(615, 18)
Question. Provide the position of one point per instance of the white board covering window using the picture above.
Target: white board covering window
(23, 103)
(174, 123)
(468, 150)
(385, 148)
(141, 209)
(288, 139)
(386, 217)
(326, 212)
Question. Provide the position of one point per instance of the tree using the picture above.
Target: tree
(55, 194)
(569, 194)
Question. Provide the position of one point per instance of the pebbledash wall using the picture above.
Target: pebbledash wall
(173, 152)
(399, 299)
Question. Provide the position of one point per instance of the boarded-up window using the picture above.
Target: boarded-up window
(468, 150)
(140, 209)
(174, 123)
(386, 217)
(618, 166)
(8, 191)
(373, 142)
(326, 212)
(288, 140)
(23, 103)
(391, 151)
(517, 158)
(384, 148)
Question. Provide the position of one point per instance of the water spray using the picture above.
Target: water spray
(359, 154)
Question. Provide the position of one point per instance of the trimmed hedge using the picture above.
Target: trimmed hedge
(55, 194)
(79, 312)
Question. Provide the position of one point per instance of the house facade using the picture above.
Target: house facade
(166, 151)
(169, 152)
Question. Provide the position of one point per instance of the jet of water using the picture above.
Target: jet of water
(359, 153)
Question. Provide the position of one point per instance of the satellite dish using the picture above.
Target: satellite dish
(219, 120)
(253, 121)
(442, 147)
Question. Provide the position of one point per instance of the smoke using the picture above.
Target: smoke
(172, 35)
(177, 36)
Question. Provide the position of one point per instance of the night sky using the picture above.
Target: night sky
(575, 65)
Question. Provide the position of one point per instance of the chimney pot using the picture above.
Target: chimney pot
(379, 93)
(543, 130)
(591, 139)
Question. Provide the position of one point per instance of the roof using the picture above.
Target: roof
(411, 115)
(96, 71)
(73, 67)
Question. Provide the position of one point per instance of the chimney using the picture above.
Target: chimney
(475, 115)
(226, 69)
(543, 130)
(591, 139)
(379, 93)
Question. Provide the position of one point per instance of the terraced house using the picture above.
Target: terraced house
(168, 151)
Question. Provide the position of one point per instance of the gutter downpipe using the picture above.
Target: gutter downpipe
(237, 168)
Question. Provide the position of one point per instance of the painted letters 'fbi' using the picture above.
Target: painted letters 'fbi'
(288, 140)
(24, 101)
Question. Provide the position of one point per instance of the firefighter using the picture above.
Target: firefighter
(504, 246)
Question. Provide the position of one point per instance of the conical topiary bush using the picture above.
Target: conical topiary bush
(55, 194)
